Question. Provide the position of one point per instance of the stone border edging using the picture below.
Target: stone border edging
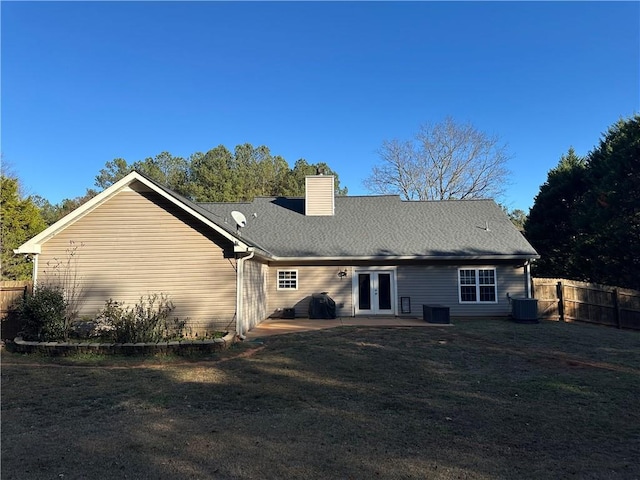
(160, 348)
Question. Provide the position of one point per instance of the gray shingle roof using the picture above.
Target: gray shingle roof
(376, 226)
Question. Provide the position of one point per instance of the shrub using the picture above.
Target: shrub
(87, 329)
(147, 321)
(42, 315)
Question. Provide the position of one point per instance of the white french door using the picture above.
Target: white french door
(374, 292)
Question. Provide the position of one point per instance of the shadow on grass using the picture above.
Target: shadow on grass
(482, 400)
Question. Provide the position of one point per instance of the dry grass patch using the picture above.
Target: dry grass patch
(483, 399)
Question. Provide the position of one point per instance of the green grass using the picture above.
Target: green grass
(483, 399)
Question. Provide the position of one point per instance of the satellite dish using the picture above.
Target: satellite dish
(239, 218)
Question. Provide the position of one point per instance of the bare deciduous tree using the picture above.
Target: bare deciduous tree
(444, 161)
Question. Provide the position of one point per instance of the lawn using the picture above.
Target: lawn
(483, 399)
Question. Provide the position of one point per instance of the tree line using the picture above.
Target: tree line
(218, 175)
(585, 220)
(447, 160)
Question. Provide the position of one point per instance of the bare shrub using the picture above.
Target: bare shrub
(147, 321)
(62, 275)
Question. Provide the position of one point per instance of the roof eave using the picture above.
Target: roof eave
(403, 257)
(26, 249)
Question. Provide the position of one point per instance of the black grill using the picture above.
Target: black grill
(322, 305)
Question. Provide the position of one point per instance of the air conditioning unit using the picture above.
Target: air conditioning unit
(436, 314)
(524, 309)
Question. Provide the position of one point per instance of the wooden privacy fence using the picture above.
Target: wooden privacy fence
(11, 292)
(571, 300)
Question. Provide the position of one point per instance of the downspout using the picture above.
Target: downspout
(527, 278)
(239, 290)
(34, 275)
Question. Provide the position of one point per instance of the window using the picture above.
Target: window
(287, 279)
(477, 285)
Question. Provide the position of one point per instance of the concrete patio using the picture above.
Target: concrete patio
(278, 326)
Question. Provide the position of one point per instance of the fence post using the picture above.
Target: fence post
(560, 293)
(616, 307)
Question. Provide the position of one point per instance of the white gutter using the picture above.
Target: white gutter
(404, 257)
(239, 290)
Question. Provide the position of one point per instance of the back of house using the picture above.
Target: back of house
(373, 255)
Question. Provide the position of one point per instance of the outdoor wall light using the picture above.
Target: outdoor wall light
(342, 273)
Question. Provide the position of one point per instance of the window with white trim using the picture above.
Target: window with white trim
(477, 285)
(287, 279)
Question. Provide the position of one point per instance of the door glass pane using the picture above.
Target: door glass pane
(364, 291)
(384, 291)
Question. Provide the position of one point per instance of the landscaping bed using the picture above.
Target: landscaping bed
(177, 347)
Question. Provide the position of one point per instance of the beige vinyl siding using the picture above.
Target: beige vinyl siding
(255, 296)
(137, 243)
(438, 284)
(319, 195)
(311, 279)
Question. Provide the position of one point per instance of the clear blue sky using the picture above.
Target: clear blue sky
(86, 82)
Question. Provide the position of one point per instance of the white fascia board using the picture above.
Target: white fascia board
(33, 246)
(28, 249)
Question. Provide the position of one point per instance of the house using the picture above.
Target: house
(231, 265)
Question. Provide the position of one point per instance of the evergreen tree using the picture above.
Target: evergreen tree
(585, 221)
(20, 220)
(212, 176)
(296, 181)
(609, 212)
(215, 176)
(113, 171)
(550, 226)
(167, 170)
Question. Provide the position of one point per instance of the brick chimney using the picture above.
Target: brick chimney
(319, 195)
